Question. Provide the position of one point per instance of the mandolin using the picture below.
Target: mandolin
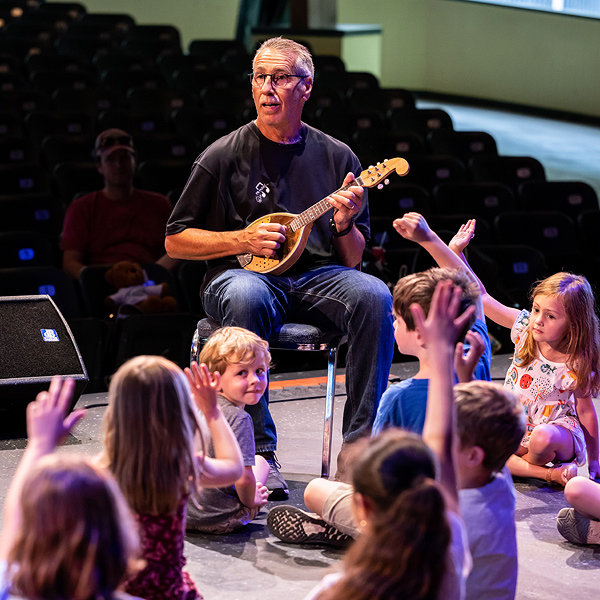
(298, 227)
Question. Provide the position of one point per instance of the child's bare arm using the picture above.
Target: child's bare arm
(47, 426)
(439, 332)
(589, 423)
(413, 226)
(228, 465)
(251, 493)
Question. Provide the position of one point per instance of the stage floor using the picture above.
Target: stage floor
(252, 564)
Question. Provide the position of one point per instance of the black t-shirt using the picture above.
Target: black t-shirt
(244, 176)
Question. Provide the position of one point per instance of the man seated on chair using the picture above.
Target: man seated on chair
(118, 222)
(277, 163)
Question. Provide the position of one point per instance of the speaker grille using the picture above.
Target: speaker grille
(23, 349)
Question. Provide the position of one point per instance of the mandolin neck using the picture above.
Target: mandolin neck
(320, 208)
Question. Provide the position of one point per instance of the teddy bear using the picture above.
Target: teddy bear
(133, 294)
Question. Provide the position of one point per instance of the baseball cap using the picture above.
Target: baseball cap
(111, 140)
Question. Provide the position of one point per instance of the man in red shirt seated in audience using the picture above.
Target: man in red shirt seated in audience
(118, 222)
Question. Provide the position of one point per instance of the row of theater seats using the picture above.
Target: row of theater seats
(98, 71)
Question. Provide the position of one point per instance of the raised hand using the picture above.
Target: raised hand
(47, 421)
(464, 364)
(204, 386)
(462, 237)
(413, 226)
(443, 323)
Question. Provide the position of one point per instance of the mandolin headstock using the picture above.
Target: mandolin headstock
(374, 175)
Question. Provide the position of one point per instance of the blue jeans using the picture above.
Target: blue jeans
(333, 297)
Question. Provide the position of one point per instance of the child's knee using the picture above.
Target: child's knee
(578, 489)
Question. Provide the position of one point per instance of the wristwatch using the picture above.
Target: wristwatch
(337, 233)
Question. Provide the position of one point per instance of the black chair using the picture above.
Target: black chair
(552, 233)
(70, 63)
(48, 81)
(23, 178)
(216, 48)
(22, 102)
(63, 148)
(169, 64)
(328, 63)
(510, 170)
(121, 22)
(32, 212)
(398, 99)
(479, 199)
(122, 79)
(421, 120)
(429, 171)
(90, 102)
(294, 336)
(162, 101)
(378, 144)
(118, 60)
(17, 149)
(32, 281)
(195, 123)
(72, 179)
(398, 198)
(462, 144)
(132, 121)
(26, 249)
(568, 197)
(42, 123)
(519, 267)
(165, 146)
(588, 225)
(10, 124)
(163, 175)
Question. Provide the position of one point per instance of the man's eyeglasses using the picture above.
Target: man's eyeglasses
(277, 79)
(109, 140)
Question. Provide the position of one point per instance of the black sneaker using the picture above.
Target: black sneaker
(295, 526)
(276, 484)
(576, 528)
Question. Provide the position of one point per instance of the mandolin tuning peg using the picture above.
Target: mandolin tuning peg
(370, 167)
(380, 186)
(386, 181)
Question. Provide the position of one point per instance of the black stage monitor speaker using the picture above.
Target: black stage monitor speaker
(35, 344)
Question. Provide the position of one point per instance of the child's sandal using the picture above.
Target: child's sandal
(566, 471)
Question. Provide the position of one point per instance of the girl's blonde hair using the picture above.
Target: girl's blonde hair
(78, 538)
(233, 345)
(582, 340)
(150, 435)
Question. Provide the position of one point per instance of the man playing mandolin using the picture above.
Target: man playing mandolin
(278, 164)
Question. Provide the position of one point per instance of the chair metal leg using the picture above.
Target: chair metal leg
(329, 406)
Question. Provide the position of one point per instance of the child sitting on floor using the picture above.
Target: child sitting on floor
(239, 361)
(555, 372)
(150, 446)
(412, 542)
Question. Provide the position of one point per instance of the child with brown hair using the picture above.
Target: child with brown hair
(239, 362)
(150, 432)
(67, 530)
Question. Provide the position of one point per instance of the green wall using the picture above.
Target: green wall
(484, 51)
(446, 46)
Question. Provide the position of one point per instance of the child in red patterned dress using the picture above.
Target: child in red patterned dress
(151, 431)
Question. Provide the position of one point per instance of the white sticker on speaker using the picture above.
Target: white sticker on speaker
(49, 335)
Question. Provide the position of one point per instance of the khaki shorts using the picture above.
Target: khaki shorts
(337, 510)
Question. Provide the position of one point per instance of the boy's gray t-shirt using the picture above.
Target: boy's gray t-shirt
(218, 504)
